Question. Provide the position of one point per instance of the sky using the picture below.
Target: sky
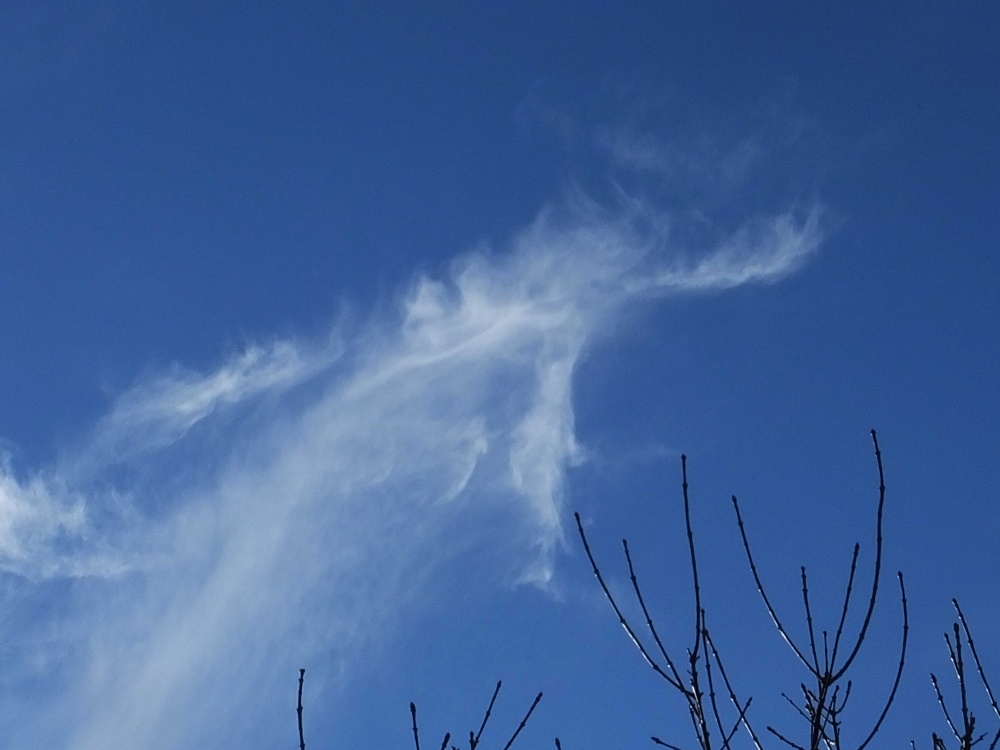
(318, 322)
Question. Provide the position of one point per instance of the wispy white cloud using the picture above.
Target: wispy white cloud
(339, 475)
(163, 409)
(34, 514)
(701, 161)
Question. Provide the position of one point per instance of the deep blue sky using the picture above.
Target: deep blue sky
(317, 323)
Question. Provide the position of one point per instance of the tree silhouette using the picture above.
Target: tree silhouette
(827, 661)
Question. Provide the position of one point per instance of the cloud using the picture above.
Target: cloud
(34, 515)
(336, 479)
(699, 161)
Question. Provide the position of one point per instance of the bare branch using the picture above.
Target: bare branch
(809, 619)
(899, 669)
(732, 693)
(847, 604)
(763, 594)
(698, 611)
(784, 739)
(649, 620)
(413, 714)
(796, 706)
(944, 708)
(302, 739)
(621, 618)
(523, 722)
(661, 743)
(473, 741)
(975, 656)
(878, 562)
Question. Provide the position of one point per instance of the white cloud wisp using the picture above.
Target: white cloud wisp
(337, 475)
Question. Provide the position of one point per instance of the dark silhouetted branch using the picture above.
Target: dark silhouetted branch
(661, 743)
(474, 739)
(302, 738)
(878, 563)
(899, 668)
(523, 722)
(621, 618)
(649, 620)
(763, 594)
(413, 714)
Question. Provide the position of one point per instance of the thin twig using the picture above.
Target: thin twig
(967, 721)
(661, 743)
(732, 693)
(523, 722)
(784, 739)
(715, 706)
(649, 620)
(473, 741)
(809, 618)
(944, 707)
(413, 713)
(979, 669)
(793, 704)
(847, 604)
(302, 739)
(698, 612)
(899, 669)
(975, 656)
(621, 618)
(878, 562)
(701, 726)
(763, 594)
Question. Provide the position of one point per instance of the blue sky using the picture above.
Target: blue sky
(318, 323)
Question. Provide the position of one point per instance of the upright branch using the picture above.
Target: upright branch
(474, 738)
(413, 716)
(878, 564)
(302, 739)
(703, 710)
(524, 721)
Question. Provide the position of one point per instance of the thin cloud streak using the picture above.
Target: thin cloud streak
(341, 477)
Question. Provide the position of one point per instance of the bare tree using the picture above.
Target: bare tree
(702, 676)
